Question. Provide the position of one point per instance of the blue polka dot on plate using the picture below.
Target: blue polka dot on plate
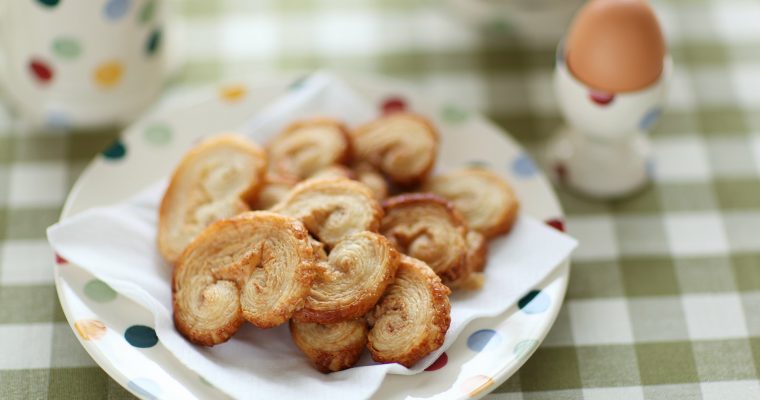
(141, 336)
(145, 388)
(650, 118)
(523, 166)
(535, 302)
(116, 9)
(57, 120)
(478, 340)
(115, 151)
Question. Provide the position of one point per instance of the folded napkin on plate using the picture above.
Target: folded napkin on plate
(117, 245)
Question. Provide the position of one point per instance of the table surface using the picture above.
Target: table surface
(664, 295)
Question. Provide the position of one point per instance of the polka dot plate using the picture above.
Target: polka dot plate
(118, 334)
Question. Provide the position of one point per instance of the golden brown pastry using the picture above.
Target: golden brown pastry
(426, 226)
(331, 347)
(412, 318)
(258, 266)
(333, 171)
(332, 209)
(403, 146)
(477, 250)
(275, 188)
(485, 199)
(213, 181)
(370, 176)
(307, 146)
(358, 269)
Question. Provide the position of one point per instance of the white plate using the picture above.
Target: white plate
(151, 147)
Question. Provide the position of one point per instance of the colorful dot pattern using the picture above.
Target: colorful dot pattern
(158, 133)
(232, 93)
(524, 347)
(67, 48)
(99, 291)
(48, 3)
(482, 338)
(115, 10)
(115, 151)
(439, 363)
(475, 385)
(524, 167)
(108, 74)
(535, 302)
(153, 43)
(41, 70)
(90, 329)
(453, 114)
(145, 388)
(147, 12)
(141, 336)
(393, 104)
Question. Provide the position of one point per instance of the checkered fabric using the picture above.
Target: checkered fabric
(664, 295)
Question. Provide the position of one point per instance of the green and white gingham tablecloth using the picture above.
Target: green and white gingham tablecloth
(664, 295)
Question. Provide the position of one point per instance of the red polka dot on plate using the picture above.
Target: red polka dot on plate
(601, 98)
(557, 224)
(441, 362)
(60, 260)
(561, 172)
(393, 104)
(41, 70)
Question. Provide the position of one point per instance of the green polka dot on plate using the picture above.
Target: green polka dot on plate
(141, 336)
(147, 11)
(99, 291)
(453, 114)
(153, 43)
(524, 347)
(158, 133)
(115, 151)
(145, 388)
(66, 48)
(49, 3)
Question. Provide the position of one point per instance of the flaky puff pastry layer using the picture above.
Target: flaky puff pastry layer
(475, 261)
(403, 146)
(308, 146)
(331, 347)
(370, 176)
(357, 271)
(485, 199)
(427, 227)
(274, 189)
(412, 318)
(332, 209)
(213, 181)
(258, 266)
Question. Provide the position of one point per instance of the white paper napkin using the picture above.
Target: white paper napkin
(117, 245)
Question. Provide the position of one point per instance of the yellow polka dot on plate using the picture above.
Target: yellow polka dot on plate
(232, 93)
(475, 385)
(108, 74)
(90, 329)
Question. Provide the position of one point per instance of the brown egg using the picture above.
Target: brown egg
(615, 45)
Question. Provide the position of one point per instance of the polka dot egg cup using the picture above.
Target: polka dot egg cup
(119, 335)
(82, 63)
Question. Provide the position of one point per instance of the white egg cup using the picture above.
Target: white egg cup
(604, 151)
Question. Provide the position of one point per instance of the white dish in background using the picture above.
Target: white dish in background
(150, 149)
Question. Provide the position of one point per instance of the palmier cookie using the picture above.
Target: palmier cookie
(212, 182)
(258, 266)
(308, 146)
(331, 347)
(412, 318)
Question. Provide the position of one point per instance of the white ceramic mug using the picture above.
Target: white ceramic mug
(81, 63)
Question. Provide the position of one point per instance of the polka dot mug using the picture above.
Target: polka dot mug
(77, 63)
